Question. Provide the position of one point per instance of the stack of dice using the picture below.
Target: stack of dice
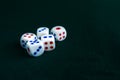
(43, 40)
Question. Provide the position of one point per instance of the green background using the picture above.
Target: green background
(90, 52)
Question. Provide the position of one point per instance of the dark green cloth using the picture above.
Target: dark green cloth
(90, 52)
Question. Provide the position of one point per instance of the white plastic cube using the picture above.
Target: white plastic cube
(42, 31)
(49, 42)
(59, 33)
(27, 37)
(35, 48)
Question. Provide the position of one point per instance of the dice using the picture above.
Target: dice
(42, 31)
(37, 44)
(27, 37)
(49, 42)
(59, 33)
(35, 48)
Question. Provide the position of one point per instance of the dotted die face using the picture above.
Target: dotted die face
(35, 48)
(29, 36)
(42, 31)
(59, 33)
(26, 37)
(49, 42)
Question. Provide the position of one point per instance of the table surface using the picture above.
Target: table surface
(90, 52)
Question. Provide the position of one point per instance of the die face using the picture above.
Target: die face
(49, 42)
(42, 31)
(35, 48)
(59, 33)
(23, 43)
(27, 37)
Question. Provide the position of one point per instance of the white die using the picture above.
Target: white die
(27, 37)
(49, 42)
(59, 33)
(35, 48)
(42, 31)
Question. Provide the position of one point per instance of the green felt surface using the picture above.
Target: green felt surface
(90, 52)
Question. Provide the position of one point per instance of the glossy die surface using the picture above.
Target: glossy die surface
(27, 37)
(59, 33)
(49, 42)
(42, 31)
(35, 48)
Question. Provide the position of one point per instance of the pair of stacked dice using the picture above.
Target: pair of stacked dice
(43, 41)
